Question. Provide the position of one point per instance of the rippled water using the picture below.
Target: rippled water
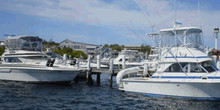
(81, 96)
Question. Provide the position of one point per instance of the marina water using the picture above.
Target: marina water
(14, 95)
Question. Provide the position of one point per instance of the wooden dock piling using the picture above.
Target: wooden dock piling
(110, 80)
(123, 62)
(98, 61)
(98, 78)
(89, 80)
(111, 72)
(97, 71)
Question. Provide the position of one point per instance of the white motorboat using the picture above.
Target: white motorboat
(129, 58)
(183, 68)
(24, 61)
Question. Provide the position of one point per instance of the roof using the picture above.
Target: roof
(180, 30)
(78, 42)
(18, 37)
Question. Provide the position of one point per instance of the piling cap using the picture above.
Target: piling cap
(216, 30)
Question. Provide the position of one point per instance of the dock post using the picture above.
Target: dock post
(88, 74)
(89, 80)
(111, 66)
(123, 62)
(98, 78)
(145, 72)
(77, 63)
(98, 61)
(111, 71)
(88, 62)
(110, 79)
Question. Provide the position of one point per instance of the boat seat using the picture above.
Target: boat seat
(50, 62)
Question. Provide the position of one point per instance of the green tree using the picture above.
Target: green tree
(106, 46)
(79, 54)
(145, 48)
(116, 47)
(50, 44)
(58, 50)
(2, 50)
(70, 51)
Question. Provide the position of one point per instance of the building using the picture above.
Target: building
(86, 48)
(130, 47)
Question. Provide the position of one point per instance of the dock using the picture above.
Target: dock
(111, 70)
(97, 72)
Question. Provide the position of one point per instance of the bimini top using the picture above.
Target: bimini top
(181, 30)
(31, 43)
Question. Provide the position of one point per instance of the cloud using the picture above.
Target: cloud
(119, 13)
(158, 12)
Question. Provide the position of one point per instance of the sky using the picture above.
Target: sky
(123, 22)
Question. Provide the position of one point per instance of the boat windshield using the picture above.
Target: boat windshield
(192, 67)
(24, 43)
(192, 37)
(12, 60)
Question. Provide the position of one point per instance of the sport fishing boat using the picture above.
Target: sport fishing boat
(24, 61)
(183, 68)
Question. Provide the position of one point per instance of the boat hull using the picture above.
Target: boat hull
(36, 75)
(199, 90)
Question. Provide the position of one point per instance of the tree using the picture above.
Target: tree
(65, 50)
(70, 51)
(116, 47)
(2, 50)
(50, 44)
(79, 54)
(106, 46)
(145, 48)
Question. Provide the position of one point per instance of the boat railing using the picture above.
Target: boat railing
(127, 73)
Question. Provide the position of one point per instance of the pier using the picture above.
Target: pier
(111, 70)
(97, 72)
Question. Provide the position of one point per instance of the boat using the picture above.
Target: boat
(24, 61)
(183, 68)
(129, 58)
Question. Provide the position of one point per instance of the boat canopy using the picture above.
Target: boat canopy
(30, 43)
(180, 30)
(177, 36)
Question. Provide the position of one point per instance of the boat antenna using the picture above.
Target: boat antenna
(199, 24)
(175, 12)
(145, 15)
(176, 24)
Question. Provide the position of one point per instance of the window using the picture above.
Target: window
(76, 47)
(210, 67)
(192, 67)
(195, 68)
(176, 67)
(12, 60)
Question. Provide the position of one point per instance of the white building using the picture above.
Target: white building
(87, 48)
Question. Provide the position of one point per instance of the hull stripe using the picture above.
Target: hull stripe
(185, 77)
(188, 57)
